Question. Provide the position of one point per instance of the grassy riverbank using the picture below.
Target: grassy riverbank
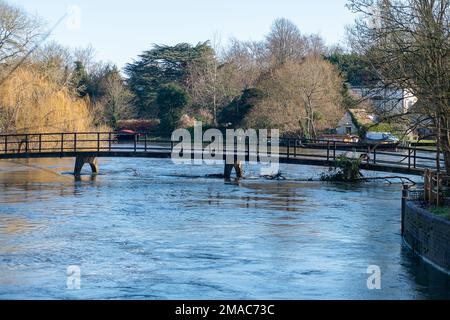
(443, 212)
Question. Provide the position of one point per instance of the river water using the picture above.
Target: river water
(148, 229)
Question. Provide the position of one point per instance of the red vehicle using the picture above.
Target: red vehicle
(126, 135)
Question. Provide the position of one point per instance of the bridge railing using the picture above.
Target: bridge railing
(27, 143)
(55, 142)
(410, 157)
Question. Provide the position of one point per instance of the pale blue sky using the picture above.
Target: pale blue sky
(120, 30)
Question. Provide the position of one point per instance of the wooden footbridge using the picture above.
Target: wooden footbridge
(86, 147)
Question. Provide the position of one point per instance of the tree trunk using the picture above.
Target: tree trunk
(445, 142)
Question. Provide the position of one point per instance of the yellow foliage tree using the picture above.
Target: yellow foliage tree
(30, 102)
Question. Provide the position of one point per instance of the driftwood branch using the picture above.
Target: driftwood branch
(402, 179)
(276, 176)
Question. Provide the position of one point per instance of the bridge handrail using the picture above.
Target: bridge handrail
(297, 141)
(289, 147)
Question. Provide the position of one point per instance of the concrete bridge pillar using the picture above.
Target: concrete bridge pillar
(238, 167)
(80, 161)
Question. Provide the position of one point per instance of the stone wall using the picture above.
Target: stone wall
(427, 235)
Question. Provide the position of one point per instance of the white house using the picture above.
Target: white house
(385, 99)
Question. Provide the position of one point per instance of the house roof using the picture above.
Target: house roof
(362, 117)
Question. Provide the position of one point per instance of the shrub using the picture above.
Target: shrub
(344, 169)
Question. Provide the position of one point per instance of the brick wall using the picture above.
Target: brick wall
(428, 235)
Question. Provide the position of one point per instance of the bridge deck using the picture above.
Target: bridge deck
(299, 160)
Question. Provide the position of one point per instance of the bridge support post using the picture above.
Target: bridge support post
(80, 161)
(238, 168)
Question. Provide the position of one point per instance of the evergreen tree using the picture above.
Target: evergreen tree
(80, 79)
(157, 67)
(171, 100)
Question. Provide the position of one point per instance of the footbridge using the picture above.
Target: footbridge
(87, 147)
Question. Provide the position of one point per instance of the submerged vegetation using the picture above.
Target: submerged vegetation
(345, 169)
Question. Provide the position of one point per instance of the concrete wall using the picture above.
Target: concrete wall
(427, 235)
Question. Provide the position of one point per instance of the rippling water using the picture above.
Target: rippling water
(147, 229)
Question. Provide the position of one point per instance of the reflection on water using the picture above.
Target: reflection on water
(149, 229)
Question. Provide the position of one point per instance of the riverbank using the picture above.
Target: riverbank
(427, 235)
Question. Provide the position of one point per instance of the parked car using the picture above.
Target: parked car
(127, 135)
(351, 139)
(381, 138)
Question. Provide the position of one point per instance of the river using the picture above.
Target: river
(148, 229)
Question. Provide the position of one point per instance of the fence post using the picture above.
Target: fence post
(109, 141)
(328, 150)
(409, 158)
(135, 142)
(288, 147)
(74, 142)
(235, 150)
(62, 143)
(98, 142)
(438, 184)
(432, 187)
(248, 148)
(405, 196)
(429, 179)
(334, 150)
(295, 148)
(6, 144)
(375, 155)
(368, 155)
(425, 185)
(26, 143)
(415, 158)
(145, 143)
(40, 143)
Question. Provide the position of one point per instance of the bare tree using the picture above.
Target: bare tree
(86, 55)
(116, 101)
(203, 82)
(214, 80)
(300, 97)
(408, 44)
(248, 59)
(315, 45)
(285, 42)
(55, 61)
(18, 33)
(319, 88)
